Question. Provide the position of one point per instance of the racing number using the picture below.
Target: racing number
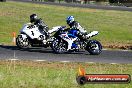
(32, 33)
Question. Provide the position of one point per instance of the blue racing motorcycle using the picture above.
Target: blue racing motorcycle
(65, 42)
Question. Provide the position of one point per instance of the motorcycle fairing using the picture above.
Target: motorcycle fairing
(31, 32)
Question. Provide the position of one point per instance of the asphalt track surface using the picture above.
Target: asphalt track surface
(107, 56)
(120, 8)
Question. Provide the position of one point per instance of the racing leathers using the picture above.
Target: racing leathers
(75, 31)
(41, 25)
(43, 28)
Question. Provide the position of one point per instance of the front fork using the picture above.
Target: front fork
(70, 42)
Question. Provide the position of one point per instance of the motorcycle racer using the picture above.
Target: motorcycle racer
(41, 25)
(39, 22)
(74, 25)
(75, 30)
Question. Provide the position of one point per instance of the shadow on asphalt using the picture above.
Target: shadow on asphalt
(34, 49)
(37, 49)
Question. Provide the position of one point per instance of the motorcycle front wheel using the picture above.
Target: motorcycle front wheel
(22, 43)
(94, 47)
(59, 46)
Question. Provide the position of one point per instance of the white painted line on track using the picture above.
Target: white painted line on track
(90, 62)
(113, 63)
(13, 59)
(40, 60)
(104, 49)
(126, 50)
(65, 61)
(116, 50)
(59, 61)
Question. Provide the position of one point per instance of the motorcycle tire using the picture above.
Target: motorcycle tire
(94, 47)
(20, 43)
(59, 46)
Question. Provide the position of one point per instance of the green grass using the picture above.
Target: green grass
(115, 27)
(30, 74)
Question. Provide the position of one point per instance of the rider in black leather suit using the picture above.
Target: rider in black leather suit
(38, 22)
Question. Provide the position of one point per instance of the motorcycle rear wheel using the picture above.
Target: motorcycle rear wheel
(94, 47)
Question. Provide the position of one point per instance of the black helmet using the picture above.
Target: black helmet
(33, 18)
